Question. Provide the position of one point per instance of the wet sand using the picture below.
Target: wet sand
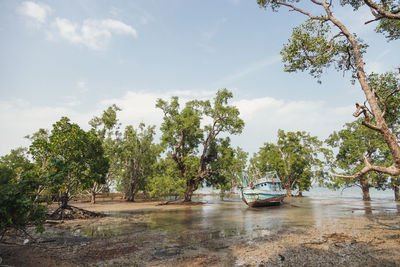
(301, 232)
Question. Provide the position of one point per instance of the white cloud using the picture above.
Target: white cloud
(36, 11)
(21, 118)
(92, 33)
(95, 34)
(263, 116)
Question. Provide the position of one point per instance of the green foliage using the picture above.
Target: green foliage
(296, 158)
(228, 167)
(313, 47)
(192, 147)
(166, 181)
(390, 28)
(387, 91)
(353, 143)
(138, 155)
(19, 203)
(71, 159)
(106, 127)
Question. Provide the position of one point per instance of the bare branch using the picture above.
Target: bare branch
(294, 8)
(381, 11)
(392, 170)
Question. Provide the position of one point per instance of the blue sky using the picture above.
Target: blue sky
(74, 58)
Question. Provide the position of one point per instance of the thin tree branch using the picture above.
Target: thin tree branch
(294, 8)
(392, 170)
(381, 11)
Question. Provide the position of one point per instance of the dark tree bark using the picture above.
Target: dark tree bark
(396, 193)
(191, 186)
(93, 197)
(365, 189)
(64, 200)
(130, 193)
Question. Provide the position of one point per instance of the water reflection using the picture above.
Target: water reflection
(222, 219)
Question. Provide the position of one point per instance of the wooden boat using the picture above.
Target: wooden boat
(265, 191)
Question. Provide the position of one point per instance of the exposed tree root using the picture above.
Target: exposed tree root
(71, 212)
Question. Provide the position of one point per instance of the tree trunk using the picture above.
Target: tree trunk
(232, 185)
(93, 197)
(130, 193)
(191, 186)
(288, 190)
(64, 200)
(396, 193)
(300, 194)
(365, 189)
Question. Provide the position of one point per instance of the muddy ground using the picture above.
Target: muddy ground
(359, 240)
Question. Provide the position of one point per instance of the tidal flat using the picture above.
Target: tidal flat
(301, 232)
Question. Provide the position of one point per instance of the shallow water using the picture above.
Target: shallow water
(232, 218)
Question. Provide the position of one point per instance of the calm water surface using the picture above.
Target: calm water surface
(232, 218)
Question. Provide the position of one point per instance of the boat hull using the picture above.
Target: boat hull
(261, 198)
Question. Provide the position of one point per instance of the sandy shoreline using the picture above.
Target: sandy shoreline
(359, 240)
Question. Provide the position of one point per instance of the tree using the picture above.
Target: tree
(20, 205)
(229, 165)
(106, 128)
(74, 159)
(295, 157)
(191, 146)
(324, 41)
(166, 181)
(353, 142)
(139, 154)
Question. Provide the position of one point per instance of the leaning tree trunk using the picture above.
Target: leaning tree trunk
(396, 192)
(365, 189)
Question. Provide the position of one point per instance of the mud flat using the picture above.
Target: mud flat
(301, 232)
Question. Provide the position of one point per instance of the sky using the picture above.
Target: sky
(75, 58)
